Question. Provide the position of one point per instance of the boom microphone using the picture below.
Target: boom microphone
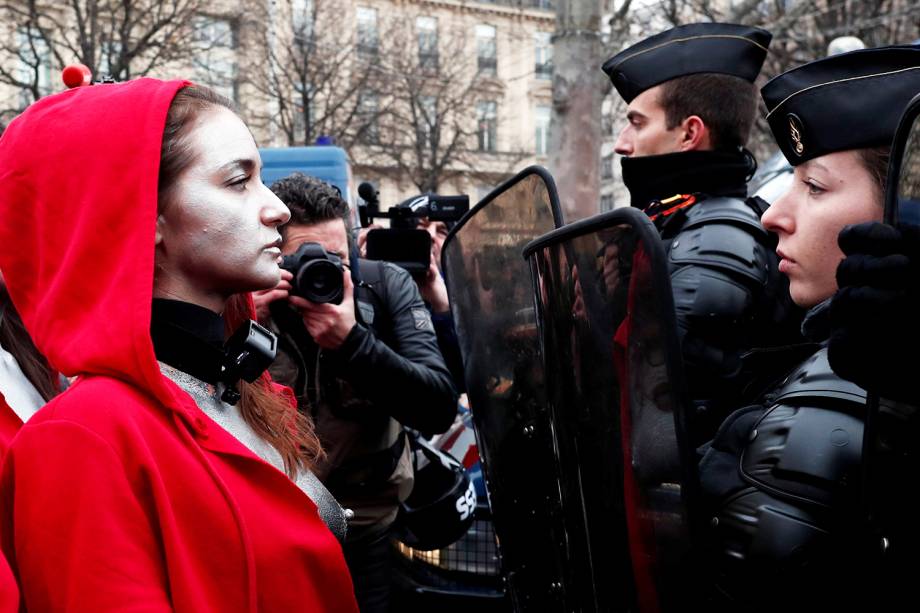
(369, 193)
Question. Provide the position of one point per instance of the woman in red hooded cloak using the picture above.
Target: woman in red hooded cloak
(135, 223)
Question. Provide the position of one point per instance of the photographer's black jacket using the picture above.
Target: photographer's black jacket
(388, 372)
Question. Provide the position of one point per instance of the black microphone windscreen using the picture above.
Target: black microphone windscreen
(367, 192)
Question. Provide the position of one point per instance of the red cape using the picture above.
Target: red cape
(9, 425)
(120, 494)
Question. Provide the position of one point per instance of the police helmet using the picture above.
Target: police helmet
(442, 503)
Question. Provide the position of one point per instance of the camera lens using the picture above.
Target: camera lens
(320, 281)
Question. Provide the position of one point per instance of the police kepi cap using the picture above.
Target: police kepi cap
(848, 101)
(696, 48)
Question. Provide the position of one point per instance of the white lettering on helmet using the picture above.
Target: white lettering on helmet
(466, 503)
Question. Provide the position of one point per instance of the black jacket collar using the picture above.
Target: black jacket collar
(714, 173)
(816, 326)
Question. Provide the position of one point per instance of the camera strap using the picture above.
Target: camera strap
(372, 289)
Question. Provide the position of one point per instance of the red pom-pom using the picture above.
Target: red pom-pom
(76, 75)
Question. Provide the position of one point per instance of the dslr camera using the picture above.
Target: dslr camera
(403, 244)
(317, 274)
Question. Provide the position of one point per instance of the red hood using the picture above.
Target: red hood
(78, 197)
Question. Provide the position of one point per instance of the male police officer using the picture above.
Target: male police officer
(691, 108)
(359, 369)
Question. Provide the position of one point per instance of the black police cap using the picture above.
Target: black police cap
(848, 101)
(696, 48)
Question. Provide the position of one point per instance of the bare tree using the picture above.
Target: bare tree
(316, 75)
(576, 136)
(441, 109)
(431, 97)
(120, 38)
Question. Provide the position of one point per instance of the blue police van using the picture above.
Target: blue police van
(325, 162)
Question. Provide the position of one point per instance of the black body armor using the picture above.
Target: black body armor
(785, 486)
(729, 297)
(728, 292)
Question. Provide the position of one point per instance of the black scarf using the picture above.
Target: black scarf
(188, 337)
(714, 173)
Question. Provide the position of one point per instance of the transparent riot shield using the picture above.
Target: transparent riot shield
(492, 303)
(891, 443)
(614, 397)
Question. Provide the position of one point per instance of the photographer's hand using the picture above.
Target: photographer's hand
(263, 298)
(433, 290)
(329, 324)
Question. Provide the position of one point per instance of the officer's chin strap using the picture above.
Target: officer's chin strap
(247, 353)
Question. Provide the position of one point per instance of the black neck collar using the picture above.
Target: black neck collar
(714, 173)
(816, 326)
(188, 337)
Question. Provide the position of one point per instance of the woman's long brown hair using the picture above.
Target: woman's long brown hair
(15, 339)
(270, 414)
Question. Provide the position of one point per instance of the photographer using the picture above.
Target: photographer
(359, 368)
(434, 293)
(429, 214)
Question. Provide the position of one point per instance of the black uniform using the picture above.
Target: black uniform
(783, 481)
(728, 292)
(785, 478)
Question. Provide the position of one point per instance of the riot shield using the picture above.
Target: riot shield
(492, 304)
(891, 443)
(625, 470)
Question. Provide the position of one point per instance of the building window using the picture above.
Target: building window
(368, 40)
(302, 20)
(487, 118)
(369, 111)
(214, 60)
(543, 55)
(427, 29)
(541, 140)
(607, 167)
(485, 50)
(606, 203)
(34, 64)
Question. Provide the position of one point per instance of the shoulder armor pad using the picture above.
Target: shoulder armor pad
(725, 210)
(807, 447)
(724, 234)
(814, 378)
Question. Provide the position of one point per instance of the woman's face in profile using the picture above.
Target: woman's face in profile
(217, 234)
(827, 193)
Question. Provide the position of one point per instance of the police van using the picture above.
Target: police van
(325, 162)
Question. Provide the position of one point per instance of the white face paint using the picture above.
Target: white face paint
(218, 233)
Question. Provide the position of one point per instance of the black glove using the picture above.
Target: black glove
(875, 316)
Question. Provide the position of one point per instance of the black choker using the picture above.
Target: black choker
(190, 338)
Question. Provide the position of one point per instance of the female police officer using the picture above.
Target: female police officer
(783, 477)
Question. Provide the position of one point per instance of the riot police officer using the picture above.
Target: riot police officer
(784, 475)
(691, 108)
